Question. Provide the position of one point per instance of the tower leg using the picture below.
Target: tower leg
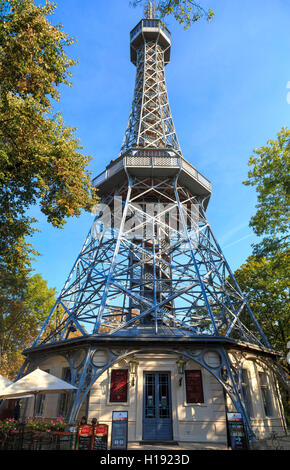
(238, 400)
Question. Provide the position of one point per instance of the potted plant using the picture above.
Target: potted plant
(8, 427)
(58, 424)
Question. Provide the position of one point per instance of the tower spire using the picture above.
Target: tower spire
(149, 10)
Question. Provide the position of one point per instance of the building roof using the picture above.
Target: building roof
(149, 331)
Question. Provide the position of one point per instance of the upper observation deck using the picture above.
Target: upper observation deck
(150, 30)
(152, 163)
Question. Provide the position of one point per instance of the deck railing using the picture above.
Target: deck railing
(152, 159)
(149, 23)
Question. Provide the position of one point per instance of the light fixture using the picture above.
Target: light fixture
(224, 373)
(180, 368)
(133, 366)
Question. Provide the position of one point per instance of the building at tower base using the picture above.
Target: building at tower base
(171, 388)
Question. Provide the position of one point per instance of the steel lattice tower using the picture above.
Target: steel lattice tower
(151, 267)
(151, 257)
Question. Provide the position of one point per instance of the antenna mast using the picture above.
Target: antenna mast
(150, 10)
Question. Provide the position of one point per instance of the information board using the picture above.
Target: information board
(193, 382)
(119, 437)
(100, 437)
(84, 437)
(119, 385)
(237, 433)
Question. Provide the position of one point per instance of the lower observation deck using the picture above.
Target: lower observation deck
(152, 163)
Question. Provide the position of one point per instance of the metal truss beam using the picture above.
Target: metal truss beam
(150, 122)
(161, 267)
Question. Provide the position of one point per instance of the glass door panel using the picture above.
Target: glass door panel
(157, 413)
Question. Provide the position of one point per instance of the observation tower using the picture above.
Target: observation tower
(151, 319)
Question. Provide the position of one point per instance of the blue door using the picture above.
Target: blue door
(157, 412)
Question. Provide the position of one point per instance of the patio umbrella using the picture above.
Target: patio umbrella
(35, 383)
(4, 383)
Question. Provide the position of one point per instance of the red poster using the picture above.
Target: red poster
(84, 437)
(101, 430)
(194, 392)
(119, 380)
(85, 430)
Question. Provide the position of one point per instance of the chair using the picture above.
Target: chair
(63, 440)
(45, 441)
(10, 441)
(29, 441)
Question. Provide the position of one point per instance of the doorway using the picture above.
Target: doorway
(157, 408)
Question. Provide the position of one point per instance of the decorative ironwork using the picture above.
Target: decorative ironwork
(160, 271)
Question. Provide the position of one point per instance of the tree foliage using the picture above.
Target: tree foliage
(265, 283)
(269, 174)
(265, 275)
(40, 163)
(22, 311)
(40, 159)
(186, 12)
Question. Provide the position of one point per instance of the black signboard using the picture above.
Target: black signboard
(119, 437)
(100, 439)
(84, 438)
(84, 443)
(237, 433)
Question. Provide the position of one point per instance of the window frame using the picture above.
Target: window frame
(265, 392)
(246, 388)
(64, 397)
(40, 402)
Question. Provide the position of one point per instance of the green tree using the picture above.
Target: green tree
(22, 312)
(265, 283)
(269, 174)
(186, 12)
(264, 276)
(40, 159)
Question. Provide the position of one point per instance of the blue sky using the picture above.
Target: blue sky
(227, 84)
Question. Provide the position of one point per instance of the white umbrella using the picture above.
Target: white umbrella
(35, 383)
(4, 383)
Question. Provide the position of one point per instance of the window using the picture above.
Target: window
(193, 383)
(39, 405)
(266, 394)
(64, 397)
(247, 392)
(119, 382)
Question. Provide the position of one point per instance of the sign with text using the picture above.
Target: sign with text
(84, 437)
(119, 438)
(237, 433)
(193, 382)
(100, 438)
(119, 385)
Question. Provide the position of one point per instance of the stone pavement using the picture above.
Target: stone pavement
(276, 442)
(178, 447)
